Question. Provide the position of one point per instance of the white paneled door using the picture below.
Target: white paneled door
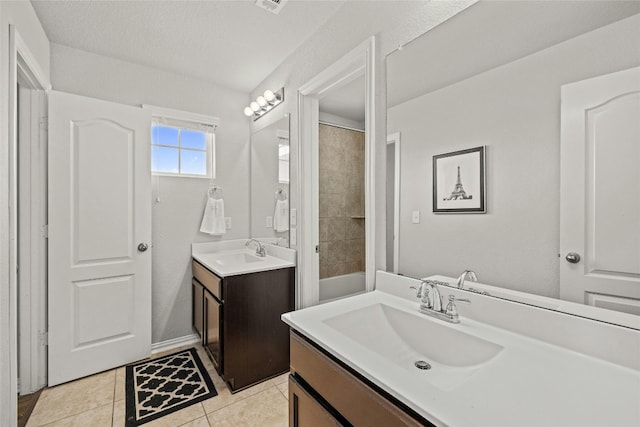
(600, 192)
(99, 294)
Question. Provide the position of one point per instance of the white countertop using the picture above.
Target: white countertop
(210, 254)
(529, 383)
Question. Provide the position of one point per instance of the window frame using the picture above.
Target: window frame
(182, 120)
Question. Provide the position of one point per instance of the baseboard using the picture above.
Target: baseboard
(161, 346)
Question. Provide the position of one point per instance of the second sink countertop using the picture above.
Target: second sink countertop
(210, 254)
(529, 383)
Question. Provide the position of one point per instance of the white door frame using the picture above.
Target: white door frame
(394, 139)
(20, 58)
(360, 61)
(32, 235)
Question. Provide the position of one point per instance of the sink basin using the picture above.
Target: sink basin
(236, 259)
(405, 338)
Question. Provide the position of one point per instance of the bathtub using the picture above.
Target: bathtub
(337, 287)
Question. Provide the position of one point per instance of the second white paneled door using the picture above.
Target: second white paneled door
(600, 192)
(99, 294)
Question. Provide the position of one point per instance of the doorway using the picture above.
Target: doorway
(359, 63)
(24, 359)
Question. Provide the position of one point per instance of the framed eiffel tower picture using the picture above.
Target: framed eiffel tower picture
(459, 182)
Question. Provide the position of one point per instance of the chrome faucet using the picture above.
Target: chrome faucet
(467, 274)
(429, 295)
(260, 251)
(431, 302)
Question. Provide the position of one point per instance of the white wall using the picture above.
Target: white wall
(393, 23)
(515, 111)
(176, 218)
(22, 16)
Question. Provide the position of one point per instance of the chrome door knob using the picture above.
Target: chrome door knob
(573, 257)
(143, 247)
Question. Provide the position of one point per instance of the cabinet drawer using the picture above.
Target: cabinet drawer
(356, 401)
(208, 279)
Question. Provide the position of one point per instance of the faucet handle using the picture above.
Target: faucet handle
(451, 309)
(453, 298)
(420, 290)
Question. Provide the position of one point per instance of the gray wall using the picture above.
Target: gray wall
(393, 23)
(515, 111)
(176, 218)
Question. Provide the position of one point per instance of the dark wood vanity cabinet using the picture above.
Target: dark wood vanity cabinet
(324, 392)
(240, 324)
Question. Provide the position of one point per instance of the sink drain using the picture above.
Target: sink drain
(421, 364)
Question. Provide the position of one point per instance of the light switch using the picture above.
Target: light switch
(227, 222)
(268, 222)
(294, 217)
(292, 236)
(415, 217)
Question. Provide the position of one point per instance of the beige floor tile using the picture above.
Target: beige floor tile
(266, 409)
(204, 357)
(73, 398)
(284, 389)
(119, 413)
(184, 416)
(200, 422)
(167, 352)
(99, 417)
(281, 379)
(225, 398)
(119, 393)
(179, 418)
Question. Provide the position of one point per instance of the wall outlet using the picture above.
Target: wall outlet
(292, 236)
(293, 217)
(227, 222)
(268, 222)
(415, 217)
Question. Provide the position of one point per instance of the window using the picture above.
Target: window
(182, 144)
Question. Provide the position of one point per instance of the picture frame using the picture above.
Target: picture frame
(459, 184)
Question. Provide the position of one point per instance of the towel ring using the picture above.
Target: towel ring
(215, 192)
(281, 194)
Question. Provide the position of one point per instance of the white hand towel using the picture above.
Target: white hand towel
(281, 216)
(213, 218)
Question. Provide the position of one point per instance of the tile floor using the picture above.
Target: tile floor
(98, 401)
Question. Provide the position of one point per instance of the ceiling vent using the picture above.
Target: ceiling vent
(273, 6)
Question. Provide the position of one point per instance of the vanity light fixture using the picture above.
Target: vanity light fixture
(264, 103)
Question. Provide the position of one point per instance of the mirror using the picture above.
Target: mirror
(491, 76)
(270, 183)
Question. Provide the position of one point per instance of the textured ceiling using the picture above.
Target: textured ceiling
(232, 43)
(489, 34)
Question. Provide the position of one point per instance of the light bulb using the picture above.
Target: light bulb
(248, 112)
(269, 96)
(254, 106)
(261, 101)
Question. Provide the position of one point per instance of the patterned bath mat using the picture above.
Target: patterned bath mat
(158, 387)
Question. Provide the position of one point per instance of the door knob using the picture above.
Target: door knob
(573, 257)
(143, 247)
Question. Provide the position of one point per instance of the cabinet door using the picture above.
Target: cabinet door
(213, 330)
(197, 303)
(304, 410)
(256, 340)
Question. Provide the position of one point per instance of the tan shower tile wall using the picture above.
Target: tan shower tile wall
(341, 201)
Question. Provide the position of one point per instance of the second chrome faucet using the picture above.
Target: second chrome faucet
(431, 302)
